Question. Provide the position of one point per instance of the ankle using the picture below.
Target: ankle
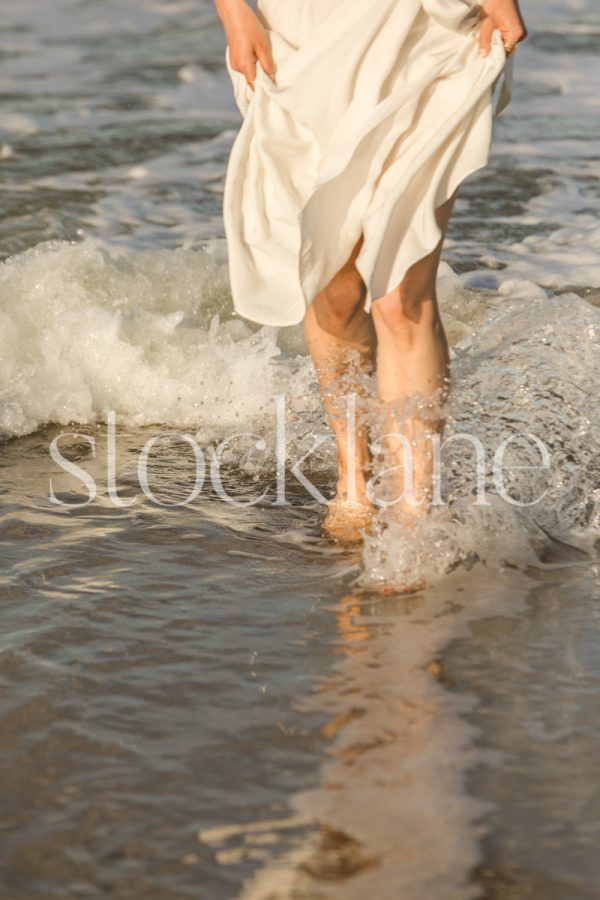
(358, 471)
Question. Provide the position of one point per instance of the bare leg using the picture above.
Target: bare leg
(412, 358)
(341, 340)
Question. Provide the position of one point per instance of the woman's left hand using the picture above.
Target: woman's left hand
(504, 15)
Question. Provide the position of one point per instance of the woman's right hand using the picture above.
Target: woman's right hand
(247, 39)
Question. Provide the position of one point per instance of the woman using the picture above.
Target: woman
(361, 119)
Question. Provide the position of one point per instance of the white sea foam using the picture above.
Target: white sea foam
(151, 335)
(146, 334)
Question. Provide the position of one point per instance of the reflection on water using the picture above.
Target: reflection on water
(411, 726)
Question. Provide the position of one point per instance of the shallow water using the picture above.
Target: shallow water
(206, 699)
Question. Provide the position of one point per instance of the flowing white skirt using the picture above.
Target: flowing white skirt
(379, 111)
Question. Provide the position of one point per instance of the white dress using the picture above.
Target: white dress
(380, 109)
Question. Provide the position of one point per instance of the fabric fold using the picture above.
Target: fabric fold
(379, 111)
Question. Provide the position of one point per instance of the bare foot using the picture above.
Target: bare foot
(407, 516)
(345, 520)
(411, 587)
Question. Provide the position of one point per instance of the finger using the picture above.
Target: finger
(512, 29)
(249, 72)
(485, 35)
(243, 66)
(510, 39)
(265, 58)
(513, 36)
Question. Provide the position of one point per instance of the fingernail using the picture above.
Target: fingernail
(483, 52)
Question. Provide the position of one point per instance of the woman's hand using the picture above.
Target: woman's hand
(248, 40)
(506, 16)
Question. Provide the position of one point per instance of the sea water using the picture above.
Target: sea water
(202, 697)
